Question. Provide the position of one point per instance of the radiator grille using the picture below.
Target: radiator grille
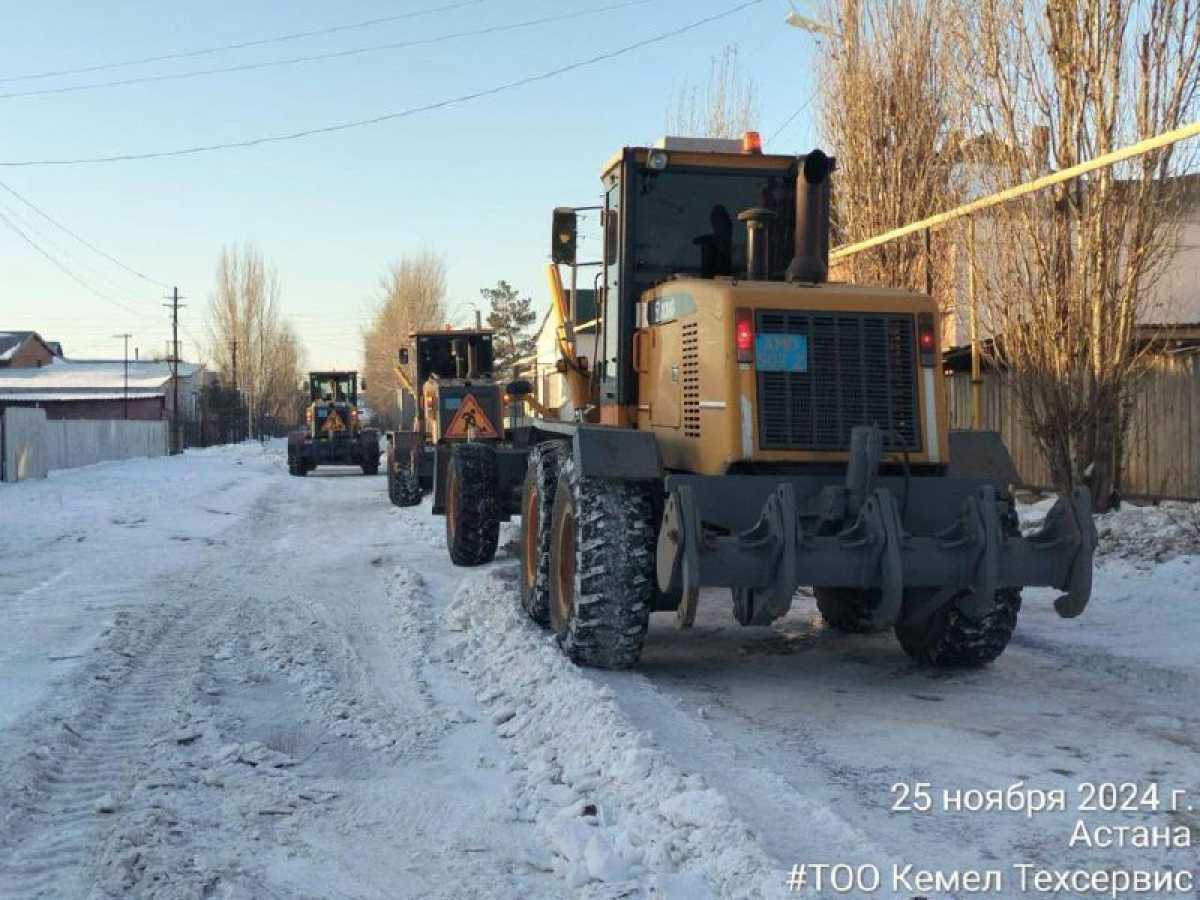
(861, 371)
(690, 372)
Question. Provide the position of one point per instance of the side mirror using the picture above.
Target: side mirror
(562, 240)
(403, 356)
(519, 388)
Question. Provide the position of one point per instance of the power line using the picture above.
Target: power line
(62, 268)
(85, 243)
(279, 39)
(316, 57)
(803, 106)
(401, 114)
(57, 245)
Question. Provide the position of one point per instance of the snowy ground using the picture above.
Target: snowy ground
(219, 681)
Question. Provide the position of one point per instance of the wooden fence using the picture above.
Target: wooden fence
(1162, 449)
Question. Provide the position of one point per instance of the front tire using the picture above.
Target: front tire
(537, 509)
(472, 508)
(847, 609)
(949, 639)
(602, 568)
(408, 489)
(390, 469)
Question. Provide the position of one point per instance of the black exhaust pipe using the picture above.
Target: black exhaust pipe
(758, 241)
(811, 262)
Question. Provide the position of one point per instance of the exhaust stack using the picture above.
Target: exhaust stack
(811, 260)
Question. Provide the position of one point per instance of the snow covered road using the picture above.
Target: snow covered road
(219, 681)
(255, 714)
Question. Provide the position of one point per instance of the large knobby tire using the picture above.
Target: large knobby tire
(602, 568)
(949, 639)
(537, 508)
(404, 488)
(390, 470)
(408, 489)
(472, 508)
(847, 609)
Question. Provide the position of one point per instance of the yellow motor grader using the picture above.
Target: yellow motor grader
(333, 433)
(738, 421)
(454, 400)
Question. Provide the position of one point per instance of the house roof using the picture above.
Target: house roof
(64, 396)
(11, 340)
(82, 378)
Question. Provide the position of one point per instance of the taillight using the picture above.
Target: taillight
(926, 339)
(743, 331)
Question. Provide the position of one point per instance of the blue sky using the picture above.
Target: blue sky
(474, 182)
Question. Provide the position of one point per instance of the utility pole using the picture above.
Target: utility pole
(235, 378)
(126, 338)
(261, 380)
(176, 437)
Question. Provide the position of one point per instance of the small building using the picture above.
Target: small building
(101, 389)
(542, 369)
(26, 349)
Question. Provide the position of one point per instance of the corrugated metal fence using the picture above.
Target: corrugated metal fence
(1162, 450)
(33, 445)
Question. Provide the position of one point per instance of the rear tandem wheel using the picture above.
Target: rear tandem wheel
(537, 507)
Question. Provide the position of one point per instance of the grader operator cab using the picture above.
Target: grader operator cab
(742, 423)
(456, 400)
(333, 434)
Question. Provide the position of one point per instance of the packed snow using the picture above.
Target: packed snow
(220, 681)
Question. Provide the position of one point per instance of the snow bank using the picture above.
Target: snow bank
(1150, 534)
(1143, 619)
(614, 811)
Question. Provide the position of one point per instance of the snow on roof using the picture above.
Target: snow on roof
(61, 396)
(91, 377)
(10, 341)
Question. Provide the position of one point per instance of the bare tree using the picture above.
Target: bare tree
(1072, 268)
(726, 108)
(412, 296)
(891, 115)
(252, 348)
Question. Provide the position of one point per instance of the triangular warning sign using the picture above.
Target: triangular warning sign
(333, 423)
(470, 421)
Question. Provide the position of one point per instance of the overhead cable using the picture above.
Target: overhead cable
(387, 117)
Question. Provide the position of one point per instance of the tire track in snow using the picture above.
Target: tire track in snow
(91, 741)
(840, 719)
(100, 752)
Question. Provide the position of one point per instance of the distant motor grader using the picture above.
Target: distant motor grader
(457, 401)
(738, 421)
(333, 434)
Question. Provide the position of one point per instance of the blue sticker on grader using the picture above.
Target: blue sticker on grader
(781, 353)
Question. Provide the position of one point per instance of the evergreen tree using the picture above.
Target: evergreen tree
(511, 317)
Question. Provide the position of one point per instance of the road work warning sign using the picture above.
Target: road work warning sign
(470, 421)
(333, 423)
